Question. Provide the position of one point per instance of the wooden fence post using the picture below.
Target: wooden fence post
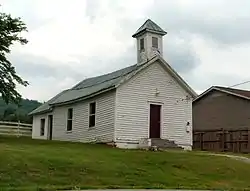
(18, 128)
(223, 140)
(15, 128)
(248, 140)
(201, 141)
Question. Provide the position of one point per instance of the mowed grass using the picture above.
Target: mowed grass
(27, 164)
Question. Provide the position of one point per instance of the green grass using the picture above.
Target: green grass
(31, 165)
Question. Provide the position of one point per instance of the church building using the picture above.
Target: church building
(146, 102)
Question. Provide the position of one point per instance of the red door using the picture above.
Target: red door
(155, 121)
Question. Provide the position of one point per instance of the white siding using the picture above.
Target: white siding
(104, 127)
(132, 107)
(36, 126)
(149, 51)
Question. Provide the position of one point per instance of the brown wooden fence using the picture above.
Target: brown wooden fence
(222, 140)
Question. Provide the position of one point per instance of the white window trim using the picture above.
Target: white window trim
(93, 114)
(69, 131)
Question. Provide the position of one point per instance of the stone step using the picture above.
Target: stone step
(163, 143)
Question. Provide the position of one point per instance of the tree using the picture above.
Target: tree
(10, 31)
(9, 111)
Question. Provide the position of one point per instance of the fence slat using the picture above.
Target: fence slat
(15, 123)
(222, 140)
(16, 129)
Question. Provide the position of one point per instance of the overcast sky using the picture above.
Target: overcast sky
(208, 42)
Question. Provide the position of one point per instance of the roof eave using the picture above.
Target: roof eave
(221, 90)
(40, 112)
(148, 30)
(179, 78)
(169, 68)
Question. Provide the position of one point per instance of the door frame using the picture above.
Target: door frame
(50, 127)
(161, 117)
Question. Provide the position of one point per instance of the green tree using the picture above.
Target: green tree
(9, 111)
(10, 33)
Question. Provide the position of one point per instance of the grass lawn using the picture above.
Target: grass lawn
(27, 164)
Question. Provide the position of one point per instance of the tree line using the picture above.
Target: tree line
(15, 113)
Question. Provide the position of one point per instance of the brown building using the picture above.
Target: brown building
(221, 119)
(221, 107)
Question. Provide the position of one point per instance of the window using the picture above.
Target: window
(70, 119)
(42, 127)
(154, 42)
(142, 44)
(92, 111)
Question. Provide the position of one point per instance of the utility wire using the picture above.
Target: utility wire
(239, 84)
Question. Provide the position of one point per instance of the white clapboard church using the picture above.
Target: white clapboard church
(145, 103)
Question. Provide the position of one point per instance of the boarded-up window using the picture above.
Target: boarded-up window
(70, 119)
(92, 112)
(42, 127)
(155, 42)
(142, 44)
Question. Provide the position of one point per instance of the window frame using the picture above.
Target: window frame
(92, 114)
(140, 43)
(42, 126)
(156, 41)
(69, 119)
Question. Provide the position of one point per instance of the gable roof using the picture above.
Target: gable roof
(94, 86)
(45, 107)
(232, 91)
(86, 87)
(238, 92)
(149, 26)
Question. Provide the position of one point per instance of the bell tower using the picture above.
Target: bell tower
(149, 41)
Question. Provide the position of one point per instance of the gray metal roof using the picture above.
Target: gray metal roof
(97, 85)
(87, 87)
(46, 107)
(150, 26)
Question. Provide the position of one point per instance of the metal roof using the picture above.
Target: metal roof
(87, 87)
(93, 86)
(46, 106)
(149, 26)
(240, 92)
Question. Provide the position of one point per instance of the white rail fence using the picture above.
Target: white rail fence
(15, 129)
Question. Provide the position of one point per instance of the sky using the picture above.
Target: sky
(208, 41)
